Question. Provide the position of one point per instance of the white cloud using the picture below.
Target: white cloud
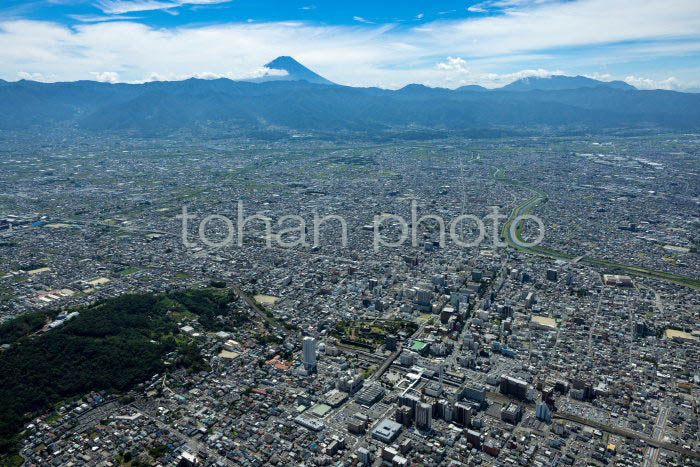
(455, 64)
(362, 20)
(599, 76)
(31, 76)
(420, 16)
(208, 75)
(101, 18)
(524, 38)
(490, 5)
(502, 79)
(669, 84)
(259, 72)
(571, 24)
(155, 77)
(454, 72)
(106, 76)
(127, 6)
(478, 8)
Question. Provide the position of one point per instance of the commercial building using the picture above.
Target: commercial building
(369, 395)
(386, 431)
(309, 423)
(617, 280)
(511, 413)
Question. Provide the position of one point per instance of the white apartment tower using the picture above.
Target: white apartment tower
(309, 349)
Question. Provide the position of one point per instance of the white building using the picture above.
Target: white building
(309, 349)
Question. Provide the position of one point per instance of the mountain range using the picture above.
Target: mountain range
(294, 98)
(559, 82)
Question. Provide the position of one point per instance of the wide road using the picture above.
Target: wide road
(653, 452)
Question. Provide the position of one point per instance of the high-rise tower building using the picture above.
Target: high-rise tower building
(309, 350)
(424, 416)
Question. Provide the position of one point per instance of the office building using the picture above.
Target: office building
(404, 416)
(357, 424)
(462, 414)
(543, 412)
(475, 392)
(513, 387)
(364, 456)
(424, 416)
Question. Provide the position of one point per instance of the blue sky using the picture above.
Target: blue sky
(650, 44)
(171, 13)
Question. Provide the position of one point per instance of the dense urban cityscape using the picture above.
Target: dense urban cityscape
(289, 346)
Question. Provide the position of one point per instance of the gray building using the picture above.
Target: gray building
(386, 431)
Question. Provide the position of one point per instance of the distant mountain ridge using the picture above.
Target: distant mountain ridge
(305, 101)
(472, 87)
(560, 82)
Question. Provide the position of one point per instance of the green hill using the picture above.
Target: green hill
(111, 346)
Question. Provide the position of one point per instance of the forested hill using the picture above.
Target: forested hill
(110, 346)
